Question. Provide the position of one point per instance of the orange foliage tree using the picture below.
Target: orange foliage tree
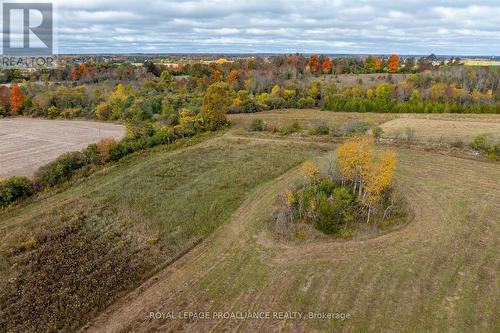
(393, 63)
(16, 98)
(327, 65)
(75, 73)
(314, 64)
(377, 64)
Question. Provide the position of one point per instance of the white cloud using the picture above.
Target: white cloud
(364, 26)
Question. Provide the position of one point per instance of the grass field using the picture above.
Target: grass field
(26, 144)
(447, 130)
(437, 274)
(70, 254)
(308, 118)
(363, 80)
(426, 127)
(206, 207)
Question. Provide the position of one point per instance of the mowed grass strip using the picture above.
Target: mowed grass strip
(65, 257)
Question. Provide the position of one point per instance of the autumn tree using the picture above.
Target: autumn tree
(75, 73)
(369, 176)
(353, 159)
(314, 64)
(378, 178)
(370, 63)
(84, 71)
(16, 98)
(393, 63)
(4, 96)
(215, 104)
(327, 65)
(233, 79)
(377, 64)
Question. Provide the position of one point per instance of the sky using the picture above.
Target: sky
(274, 26)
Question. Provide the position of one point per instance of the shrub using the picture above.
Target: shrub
(13, 189)
(334, 211)
(275, 102)
(377, 132)
(136, 129)
(458, 143)
(271, 127)
(320, 130)
(121, 150)
(356, 127)
(480, 142)
(60, 170)
(257, 125)
(91, 154)
(103, 148)
(70, 113)
(103, 111)
(307, 103)
(295, 127)
(53, 112)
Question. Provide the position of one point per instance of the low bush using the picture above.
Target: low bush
(458, 143)
(484, 143)
(103, 149)
(320, 130)
(356, 127)
(285, 130)
(13, 189)
(60, 170)
(257, 125)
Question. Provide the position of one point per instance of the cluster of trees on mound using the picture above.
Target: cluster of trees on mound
(357, 189)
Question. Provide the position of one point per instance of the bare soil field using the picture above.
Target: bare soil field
(26, 144)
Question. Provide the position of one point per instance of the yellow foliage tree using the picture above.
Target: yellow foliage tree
(368, 176)
(215, 104)
(378, 179)
(311, 172)
(353, 159)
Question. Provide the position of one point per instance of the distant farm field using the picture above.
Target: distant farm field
(308, 117)
(445, 126)
(436, 129)
(26, 144)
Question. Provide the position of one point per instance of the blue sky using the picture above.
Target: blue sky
(309, 26)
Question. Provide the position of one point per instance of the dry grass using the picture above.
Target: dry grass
(447, 130)
(427, 126)
(362, 80)
(308, 118)
(437, 274)
(29, 143)
(66, 256)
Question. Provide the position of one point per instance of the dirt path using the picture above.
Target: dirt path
(419, 278)
(26, 144)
